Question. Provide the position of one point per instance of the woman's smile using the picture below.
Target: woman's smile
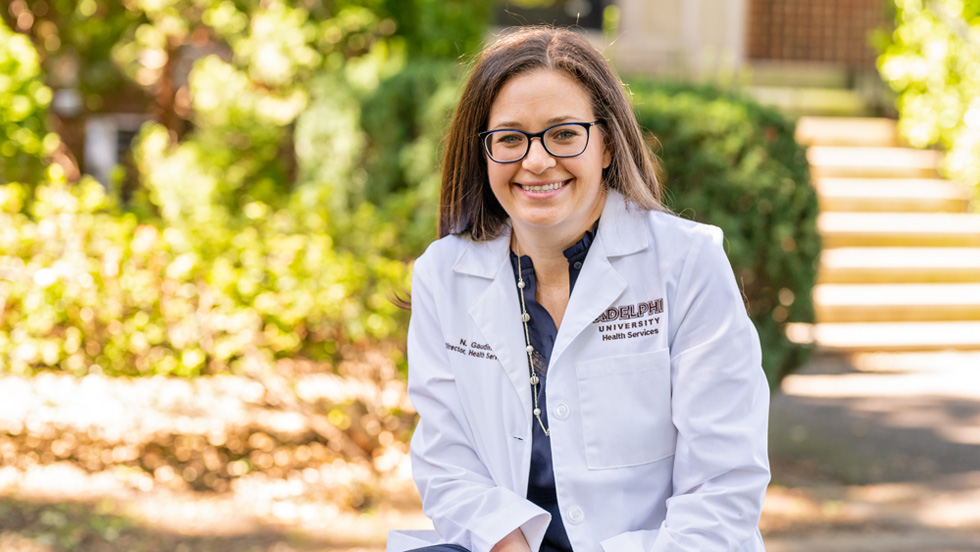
(541, 188)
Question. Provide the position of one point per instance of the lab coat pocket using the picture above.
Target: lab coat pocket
(625, 404)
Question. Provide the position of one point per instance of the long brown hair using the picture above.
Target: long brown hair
(467, 203)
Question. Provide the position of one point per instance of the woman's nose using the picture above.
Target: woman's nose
(538, 159)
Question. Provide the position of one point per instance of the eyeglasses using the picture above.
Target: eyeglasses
(508, 145)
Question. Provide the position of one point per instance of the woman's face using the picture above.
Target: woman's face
(563, 195)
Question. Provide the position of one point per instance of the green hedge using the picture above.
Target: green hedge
(735, 164)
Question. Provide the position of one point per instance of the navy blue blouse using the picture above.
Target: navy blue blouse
(542, 331)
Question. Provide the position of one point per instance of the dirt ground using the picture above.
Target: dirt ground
(877, 452)
(869, 453)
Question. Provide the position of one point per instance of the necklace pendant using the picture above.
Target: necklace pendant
(535, 380)
(525, 317)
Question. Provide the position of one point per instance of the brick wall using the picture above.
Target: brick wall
(833, 31)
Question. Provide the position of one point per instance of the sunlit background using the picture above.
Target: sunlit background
(209, 211)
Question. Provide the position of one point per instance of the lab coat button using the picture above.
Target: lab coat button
(561, 411)
(576, 515)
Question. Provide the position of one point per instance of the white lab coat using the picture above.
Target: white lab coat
(658, 405)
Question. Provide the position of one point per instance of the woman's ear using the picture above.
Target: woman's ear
(607, 154)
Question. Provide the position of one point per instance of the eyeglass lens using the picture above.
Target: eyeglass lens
(561, 141)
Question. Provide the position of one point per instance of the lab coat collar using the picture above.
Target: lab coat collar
(622, 228)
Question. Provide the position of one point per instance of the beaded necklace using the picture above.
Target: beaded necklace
(525, 318)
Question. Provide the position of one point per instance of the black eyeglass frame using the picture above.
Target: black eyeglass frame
(539, 135)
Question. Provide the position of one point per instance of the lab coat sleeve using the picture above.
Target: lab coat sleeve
(458, 493)
(720, 407)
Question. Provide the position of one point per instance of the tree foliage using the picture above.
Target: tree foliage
(25, 142)
(272, 199)
(932, 61)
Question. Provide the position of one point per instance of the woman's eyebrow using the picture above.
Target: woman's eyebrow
(550, 122)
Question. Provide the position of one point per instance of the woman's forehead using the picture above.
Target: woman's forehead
(539, 97)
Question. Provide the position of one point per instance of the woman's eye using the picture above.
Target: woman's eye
(509, 139)
(564, 134)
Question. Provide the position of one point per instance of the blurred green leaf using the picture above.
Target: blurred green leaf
(932, 61)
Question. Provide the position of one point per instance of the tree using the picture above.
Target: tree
(932, 61)
(251, 172)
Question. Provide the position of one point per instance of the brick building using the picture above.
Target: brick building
(789, 43)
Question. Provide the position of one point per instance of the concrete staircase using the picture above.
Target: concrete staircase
(900, 269)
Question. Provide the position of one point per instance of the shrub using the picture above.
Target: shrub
(404, 121)
(442, 29)
(86, 288)
(734, 164)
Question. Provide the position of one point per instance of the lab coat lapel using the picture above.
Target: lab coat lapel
(598, 285)
(622, 231)
(496, 311)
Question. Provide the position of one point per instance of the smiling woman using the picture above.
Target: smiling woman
(556, 197)
(617, 402)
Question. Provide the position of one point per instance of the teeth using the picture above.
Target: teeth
(545, 188)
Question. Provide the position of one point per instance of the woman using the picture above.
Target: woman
(585, 373)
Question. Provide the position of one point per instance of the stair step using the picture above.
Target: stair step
(780, 73)
(899, 229)
(891, 195)
(899, 265)
(896, 302)
(888, 336)
(836, 161)
(810, 100)
(847, 131)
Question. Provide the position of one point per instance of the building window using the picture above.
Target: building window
(560, 13)
(108, 142)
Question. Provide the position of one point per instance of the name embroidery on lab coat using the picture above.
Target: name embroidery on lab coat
(473, 349)
(619, 322)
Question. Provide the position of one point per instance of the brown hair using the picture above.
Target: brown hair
(467, 203)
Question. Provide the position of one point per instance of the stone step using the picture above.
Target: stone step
(891, 195)
(810, 100)
(888, 336)
(872, 162)
(797, 74)
(866, 265)
(847, 131)
(896, 302)
(899, 229)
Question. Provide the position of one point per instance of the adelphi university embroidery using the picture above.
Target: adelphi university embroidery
(630, 321)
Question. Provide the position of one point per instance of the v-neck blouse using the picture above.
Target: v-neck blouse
(543, 332)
